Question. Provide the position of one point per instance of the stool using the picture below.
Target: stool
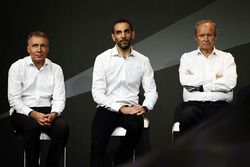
(43, 137)
(120, 132)
(175, 130)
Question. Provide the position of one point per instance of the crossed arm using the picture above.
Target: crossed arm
(221, 80)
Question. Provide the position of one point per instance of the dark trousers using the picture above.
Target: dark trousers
(103, 124)
(191, 113)
(31, 129)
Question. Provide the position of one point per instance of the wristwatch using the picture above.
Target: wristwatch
(146, 109)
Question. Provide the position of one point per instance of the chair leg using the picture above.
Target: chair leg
(24, 159)
(133, 156)
(64, 157)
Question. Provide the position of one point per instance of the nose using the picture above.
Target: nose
(123, 34)
(206, 37)
(39, 48)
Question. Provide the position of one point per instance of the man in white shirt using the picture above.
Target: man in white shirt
(208, 77)
(36, 95)
(117, 76)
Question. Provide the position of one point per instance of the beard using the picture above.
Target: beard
(124, 45)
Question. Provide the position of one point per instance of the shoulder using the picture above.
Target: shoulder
(189, 55)
(19, 63)
(54, 66)
(223, 54)
(105, 54)
(140, 55)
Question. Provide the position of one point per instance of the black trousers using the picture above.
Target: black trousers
(191, 113)
(31, 130)
(103, 124)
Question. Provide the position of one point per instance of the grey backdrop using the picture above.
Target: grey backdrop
(80, 30)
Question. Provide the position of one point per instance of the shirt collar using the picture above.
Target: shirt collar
(30, 62)
(116, 53)
(214, 52)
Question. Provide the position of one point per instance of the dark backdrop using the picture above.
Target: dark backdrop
(80, 30)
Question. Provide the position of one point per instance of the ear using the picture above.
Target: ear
(28, 49)
(133, 34)
(113, 37)
(195, 38)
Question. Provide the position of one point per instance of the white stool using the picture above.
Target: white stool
(44, 136)
(120, 131)
(175, 129)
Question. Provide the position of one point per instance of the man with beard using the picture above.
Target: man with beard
(117, 76)
(208, 77)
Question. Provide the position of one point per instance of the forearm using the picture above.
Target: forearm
(58, 106)
(225, 80)
(195, 79)
(220, 85)
(149, 86)
(150, 99)
(18, 105)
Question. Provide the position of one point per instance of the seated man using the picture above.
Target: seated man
(36, 95)
(117, 76)
(208, 76)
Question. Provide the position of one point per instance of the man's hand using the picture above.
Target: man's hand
(133, 109)
(51, 116)
(218, 75)
(43, 119)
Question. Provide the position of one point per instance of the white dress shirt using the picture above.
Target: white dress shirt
(196, 69)
(30, 87)
(117, 80)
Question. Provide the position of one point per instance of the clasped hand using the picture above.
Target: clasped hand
(132, 109)
(43, 119)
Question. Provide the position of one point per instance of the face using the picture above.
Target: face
(123, 35)
(38, 48)
(206, 37)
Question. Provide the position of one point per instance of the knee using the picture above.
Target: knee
(136, 124)
(62, 128)
(32, 130)
(186, 113)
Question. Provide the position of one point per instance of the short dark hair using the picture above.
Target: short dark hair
(37, 33)
(205, 21)
(122, 21)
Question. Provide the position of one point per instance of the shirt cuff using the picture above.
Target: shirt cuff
(56, 110)
(146, 104)
(115, 107)
(26, 110)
